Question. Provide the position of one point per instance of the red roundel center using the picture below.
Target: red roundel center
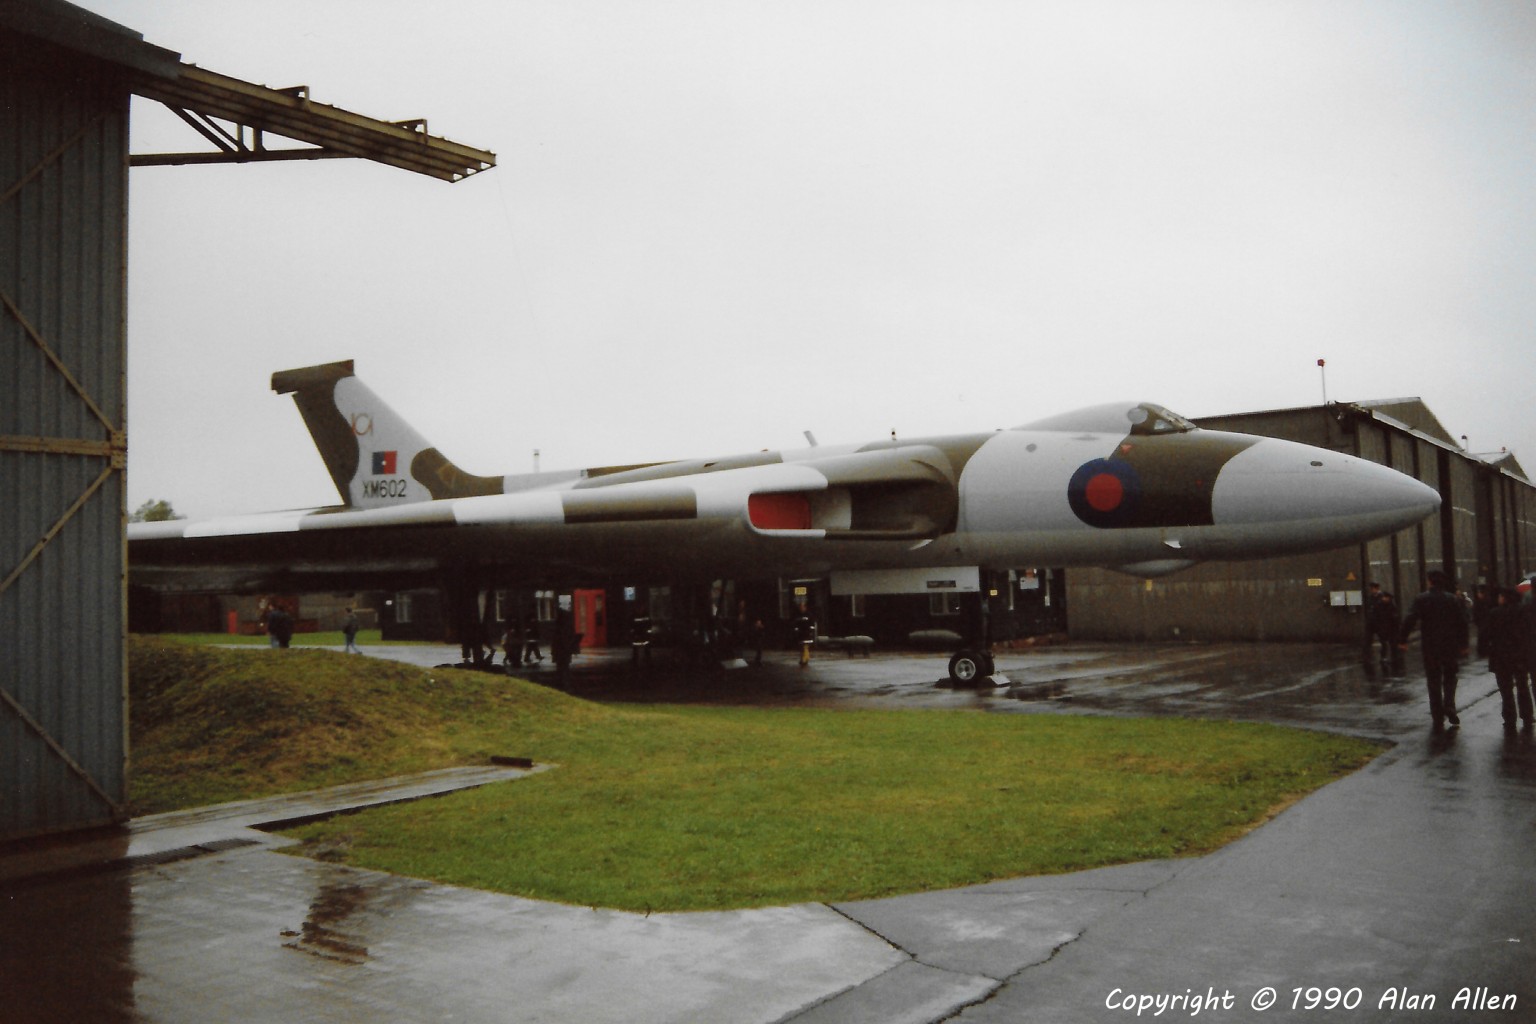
(1104, 492)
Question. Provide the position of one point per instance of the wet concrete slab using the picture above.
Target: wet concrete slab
(1408, 880)
(1411, 879)
(263, 937)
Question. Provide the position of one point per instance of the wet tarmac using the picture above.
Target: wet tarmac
(1402, 892)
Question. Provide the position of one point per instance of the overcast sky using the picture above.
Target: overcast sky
(714, 225)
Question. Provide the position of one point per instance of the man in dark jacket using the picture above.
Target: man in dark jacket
(1507, 655)
(1444, 620)
(1382, 620)
(1527, 606)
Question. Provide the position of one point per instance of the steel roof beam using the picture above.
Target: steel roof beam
(198, 95)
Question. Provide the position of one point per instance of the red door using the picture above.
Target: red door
(591, 615)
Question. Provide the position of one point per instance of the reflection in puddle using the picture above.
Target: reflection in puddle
(322, 934)
(1052, 690)
(66, 951)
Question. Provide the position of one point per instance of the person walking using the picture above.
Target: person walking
(757, 640)
(279, 627)
(349, 627)
(564, 645)
(640, 637)
(1444, 620)
(531, 652)
(804, 629)
(1382, 621)
(512, 646)
(1507, 643)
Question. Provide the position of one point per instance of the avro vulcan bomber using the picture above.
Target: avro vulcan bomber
(1128, 486)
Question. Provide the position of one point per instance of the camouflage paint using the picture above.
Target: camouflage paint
(1154, 481)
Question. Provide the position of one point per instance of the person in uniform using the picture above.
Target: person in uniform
(804, 628)
(640, 637)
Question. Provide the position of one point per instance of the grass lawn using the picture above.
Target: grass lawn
(689, 808)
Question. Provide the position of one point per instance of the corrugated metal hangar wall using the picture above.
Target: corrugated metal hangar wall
(65, 88)
(63, 196)
(1485, 532)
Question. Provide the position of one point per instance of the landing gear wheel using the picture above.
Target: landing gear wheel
(967, 667)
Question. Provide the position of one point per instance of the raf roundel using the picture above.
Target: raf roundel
(1104, 493)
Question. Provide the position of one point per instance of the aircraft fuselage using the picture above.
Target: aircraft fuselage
(1147, 494)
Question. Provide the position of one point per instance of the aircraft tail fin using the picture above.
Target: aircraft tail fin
(375, 457)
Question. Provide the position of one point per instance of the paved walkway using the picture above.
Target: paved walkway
(1407, 882)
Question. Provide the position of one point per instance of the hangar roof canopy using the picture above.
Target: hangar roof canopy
(235, 116)
(204, 99)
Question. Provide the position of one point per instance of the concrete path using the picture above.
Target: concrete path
(1409, 881)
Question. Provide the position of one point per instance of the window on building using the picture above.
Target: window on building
(544, 600)
(857, 605)
(402, 608)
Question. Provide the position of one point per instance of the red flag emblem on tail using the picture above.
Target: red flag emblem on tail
(383, 463)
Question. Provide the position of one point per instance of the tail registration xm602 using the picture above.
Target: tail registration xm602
(1129, 486)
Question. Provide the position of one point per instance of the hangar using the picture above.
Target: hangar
(64, 162)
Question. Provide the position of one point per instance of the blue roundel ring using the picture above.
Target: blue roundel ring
(1105, 493)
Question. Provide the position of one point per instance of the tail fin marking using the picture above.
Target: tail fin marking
(375, 457)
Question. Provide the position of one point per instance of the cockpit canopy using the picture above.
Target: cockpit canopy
(1139, 418)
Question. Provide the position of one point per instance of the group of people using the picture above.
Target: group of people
(279, 626)
(278, 623)
(714, 638)
(521, 644)
(1506, 635)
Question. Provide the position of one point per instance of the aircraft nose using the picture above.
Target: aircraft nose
(1278, 481)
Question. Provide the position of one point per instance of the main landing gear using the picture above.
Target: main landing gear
(975, 667)
(966, 667)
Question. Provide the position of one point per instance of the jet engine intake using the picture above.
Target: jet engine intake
(906, 510)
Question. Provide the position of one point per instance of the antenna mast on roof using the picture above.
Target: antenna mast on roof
(1322, 370)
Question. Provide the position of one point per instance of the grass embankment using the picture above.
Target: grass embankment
(324, 638)
(684, 808)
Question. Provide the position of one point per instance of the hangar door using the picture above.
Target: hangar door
(63, 194)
